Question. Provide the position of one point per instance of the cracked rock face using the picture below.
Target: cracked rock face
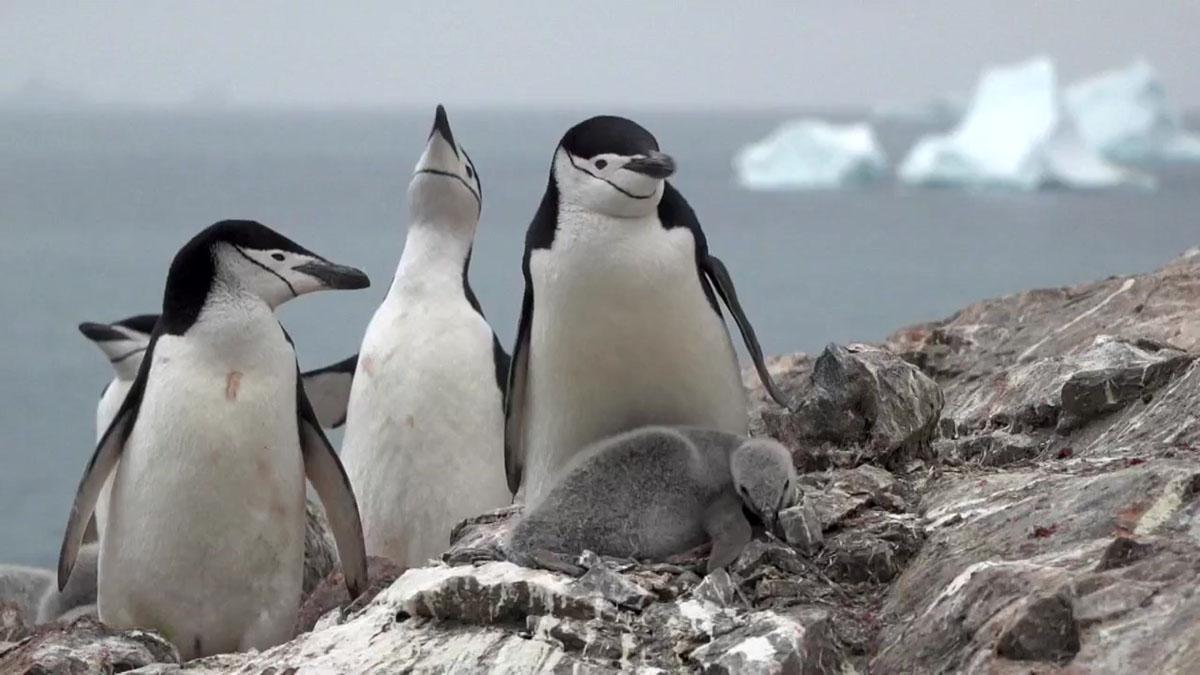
(865, 402)
(85, 646)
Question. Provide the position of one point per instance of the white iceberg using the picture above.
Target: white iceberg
(1015, 134)
(811, 154)
(1125, 115)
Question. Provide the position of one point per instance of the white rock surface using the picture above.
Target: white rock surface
(811, 154)
(1015, 135)
(1125, 115)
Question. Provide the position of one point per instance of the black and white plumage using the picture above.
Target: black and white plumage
(620, 325)
(425, 430)
(209, 451)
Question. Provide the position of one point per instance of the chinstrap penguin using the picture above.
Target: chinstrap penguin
(209, 452)
(657, 491)
(424, 440)
(620, 326)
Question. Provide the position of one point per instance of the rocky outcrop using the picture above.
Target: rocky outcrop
(859, 404)
(1014, 489)
(85, 646)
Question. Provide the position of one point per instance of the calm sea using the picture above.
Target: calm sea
(93, 206)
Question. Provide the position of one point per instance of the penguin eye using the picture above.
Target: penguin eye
(470, 173)
(600, 164)
(278, 256)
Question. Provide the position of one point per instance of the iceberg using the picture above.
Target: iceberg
(1125, 115)
(811, 154)
(1015, 134)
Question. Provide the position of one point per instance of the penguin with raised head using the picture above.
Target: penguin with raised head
(204, 539)
(123, 342)
(425, 427)
(620, 326)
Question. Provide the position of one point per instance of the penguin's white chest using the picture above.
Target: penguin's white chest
(204, 538)
(623, 336)
(425, 427)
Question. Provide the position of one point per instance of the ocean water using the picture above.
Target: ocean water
(94, 205)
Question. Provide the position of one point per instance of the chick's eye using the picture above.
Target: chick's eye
(600, 164)
(277, 256)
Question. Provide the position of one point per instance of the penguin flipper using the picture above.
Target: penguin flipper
(324, 470)
(728, 529)
(328, 391)
(103, 461)
(514, 399)
(718, 275)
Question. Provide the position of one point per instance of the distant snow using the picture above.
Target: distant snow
(811, 154)
(1015, 134)
(1125, 115)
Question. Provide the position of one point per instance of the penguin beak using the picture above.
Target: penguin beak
(333, 276)
(654, 164)
(441, 126)
(101, 332)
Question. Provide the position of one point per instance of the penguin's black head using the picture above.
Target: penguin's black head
(245, 257)
(611, 165)
(445, 186)
(122, 340)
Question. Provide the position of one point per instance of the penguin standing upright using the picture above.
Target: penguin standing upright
(204, 539)
(425, 427)
(620, 326)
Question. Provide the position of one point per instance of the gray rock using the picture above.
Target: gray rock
(613, 587)
(868, 402)
(717, 588)
(86, 646)
(1115, 374)
(802, 528)
(832, 506)
(482, 538)
(1066, 392)
(1043, 630)
(994, 448)
(798, 642)
(759, 554)
(331, 593)
(873, 548)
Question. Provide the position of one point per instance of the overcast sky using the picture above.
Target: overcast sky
(571, 53)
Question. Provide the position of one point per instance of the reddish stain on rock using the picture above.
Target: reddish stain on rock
(1065, 453)
(1043, 531)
